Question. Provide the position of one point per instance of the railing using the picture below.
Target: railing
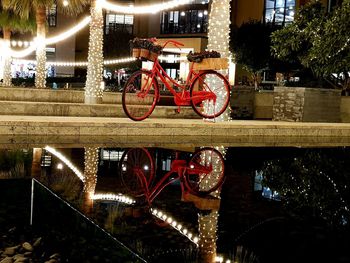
(79, 237)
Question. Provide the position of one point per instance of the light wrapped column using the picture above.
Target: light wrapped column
(90, 170)
(93, 88)
(219, 39)
(208, 223)
(7, 65)
(40, 74)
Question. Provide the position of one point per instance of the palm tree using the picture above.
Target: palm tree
(93, 91)
(10, 22)
(24, 8)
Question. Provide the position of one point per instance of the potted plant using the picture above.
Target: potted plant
(135, 46)
(145, 48)
(155, 51)
(207, 60)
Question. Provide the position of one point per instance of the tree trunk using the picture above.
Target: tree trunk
(93, 88)
(218, 39)
(90, 177)
(40, 75)
(7, 59)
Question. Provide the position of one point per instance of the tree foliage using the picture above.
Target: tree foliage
(13, 22)
(26, 8)
(250, 45)
(312, 183)
(319, 41)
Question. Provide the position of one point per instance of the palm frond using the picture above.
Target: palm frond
(74, 7)
(12, 21)
(26, 7)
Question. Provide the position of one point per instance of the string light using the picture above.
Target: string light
(90, 169)
(66, 161)
(113, 197)
(7, 78)
(32, 45)
(219, 39)
(70, 32)
(146, 9)
(93, 90)
(164, 217)
(40, 76)
(77, 64)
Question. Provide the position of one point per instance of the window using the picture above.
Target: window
(279, 11)
(111, 155)
(119, 22)
(184, 22)
(52, 16)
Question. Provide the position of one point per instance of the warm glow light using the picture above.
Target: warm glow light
(59, 166)
(65, 3)
(77, 64)
(113, 197)
(49, 41)
(66, 161)
(70, 32)
(162, 216)
(146, 9)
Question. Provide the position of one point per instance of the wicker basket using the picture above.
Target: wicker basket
(153, 56)
(144, 53)
(211, 63)
(136, 52)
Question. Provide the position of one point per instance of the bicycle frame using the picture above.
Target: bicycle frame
(178, 167)
(183, 97)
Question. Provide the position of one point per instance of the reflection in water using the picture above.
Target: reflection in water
(208, 218)
(198, 175)
(90, 176)
(165, 204)
(313, 184)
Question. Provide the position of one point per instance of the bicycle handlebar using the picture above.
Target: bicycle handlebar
(175, 43)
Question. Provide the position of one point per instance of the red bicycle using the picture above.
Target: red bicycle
(207, 91)
(201, 175)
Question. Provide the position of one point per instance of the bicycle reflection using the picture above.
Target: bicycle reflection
(200, 176)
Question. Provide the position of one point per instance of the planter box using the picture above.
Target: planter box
(211, 63)
(242, 102)
(306, 104)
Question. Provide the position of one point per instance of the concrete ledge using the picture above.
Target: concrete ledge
(171, 142)
(80, 126)
(85, 110)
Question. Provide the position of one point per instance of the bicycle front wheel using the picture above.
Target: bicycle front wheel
(140, 95)
(206, 171)
(136, 171)
(210, 94)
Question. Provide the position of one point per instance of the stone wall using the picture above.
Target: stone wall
(288, 104)
(306, 104)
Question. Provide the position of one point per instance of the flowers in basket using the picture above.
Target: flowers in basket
(198, 57)
(145, 48)
(207, 60)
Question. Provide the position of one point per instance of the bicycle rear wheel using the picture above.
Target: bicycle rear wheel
(140, 95)
(136, 170)
(206, 171)
(217, 89)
